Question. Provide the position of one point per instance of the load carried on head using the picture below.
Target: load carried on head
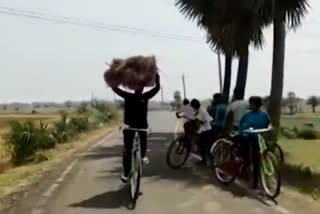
(132, 73)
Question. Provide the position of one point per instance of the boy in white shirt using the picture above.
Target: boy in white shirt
(186, 111)
(205, 127)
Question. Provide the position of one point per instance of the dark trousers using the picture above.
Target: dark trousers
(128, 136)
(247, 142)
(204, 143)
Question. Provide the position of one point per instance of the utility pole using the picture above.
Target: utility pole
(220, 72)
(184, 87)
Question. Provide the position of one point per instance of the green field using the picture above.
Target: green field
(302, 157)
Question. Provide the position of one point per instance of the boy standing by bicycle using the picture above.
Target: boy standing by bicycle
(255, 119)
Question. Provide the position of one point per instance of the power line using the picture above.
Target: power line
(95, 24)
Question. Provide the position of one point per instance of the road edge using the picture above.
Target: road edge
(10, 201)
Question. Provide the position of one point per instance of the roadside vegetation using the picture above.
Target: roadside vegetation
(25, 138)
(30, 145)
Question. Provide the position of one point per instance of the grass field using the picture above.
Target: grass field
(302, 157)
(302, 152)
(300, 119)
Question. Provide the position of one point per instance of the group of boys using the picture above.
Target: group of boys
(220, 118)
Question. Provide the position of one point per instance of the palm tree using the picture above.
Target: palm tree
(231, 28)
(233, 25)
(288, 12)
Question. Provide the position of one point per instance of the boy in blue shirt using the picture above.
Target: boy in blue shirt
(255, 119)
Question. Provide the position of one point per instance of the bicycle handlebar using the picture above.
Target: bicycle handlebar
(251, 130)
(126, 127)
(182, 116)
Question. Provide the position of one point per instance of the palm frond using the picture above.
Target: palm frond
(295, 11)
(192, 9)
(232, 25)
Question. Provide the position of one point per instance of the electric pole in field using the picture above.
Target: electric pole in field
(184, 87)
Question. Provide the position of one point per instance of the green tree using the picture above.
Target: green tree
(292, 102)
(314, 102)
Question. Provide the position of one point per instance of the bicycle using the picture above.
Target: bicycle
(227, 165)
(136, 165)
(184, 145)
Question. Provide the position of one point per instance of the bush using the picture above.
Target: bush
(44, 137)
(288, 133)
(21, 141)
(102, 113)
(64, 130)
(24, 139)
(79, 124)
(308, 134)
(60, 131)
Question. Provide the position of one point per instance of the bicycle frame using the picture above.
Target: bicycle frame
(263, 148)
(136, 148)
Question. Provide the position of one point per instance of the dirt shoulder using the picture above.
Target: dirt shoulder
(15, 181)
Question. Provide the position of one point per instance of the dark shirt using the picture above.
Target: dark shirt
(136, 106)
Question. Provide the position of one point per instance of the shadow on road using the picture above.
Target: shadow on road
(190, 175)
(111, 200)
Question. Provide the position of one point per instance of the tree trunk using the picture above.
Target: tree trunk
(314, 109)
(279, 35)
(242, 74)
(291, 110)
(227, 77)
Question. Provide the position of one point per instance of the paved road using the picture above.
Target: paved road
(92, 186)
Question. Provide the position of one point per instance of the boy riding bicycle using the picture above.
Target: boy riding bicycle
(135, 116)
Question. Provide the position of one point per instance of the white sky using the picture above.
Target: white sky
(48, 61)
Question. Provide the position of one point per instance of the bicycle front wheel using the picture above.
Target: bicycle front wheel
(270, 175)
(222, 159)
(135, 177)
(178, 153)
(278, 153)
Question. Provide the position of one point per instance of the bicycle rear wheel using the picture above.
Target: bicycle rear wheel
(178, 153)
(270, 175)
(222, 157)
(135, 177)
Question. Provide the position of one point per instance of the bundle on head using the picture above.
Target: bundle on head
(132, 72)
